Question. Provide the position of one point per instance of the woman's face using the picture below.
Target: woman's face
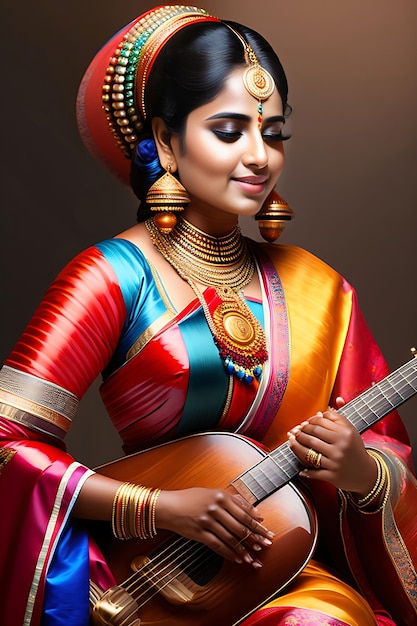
(227, 164)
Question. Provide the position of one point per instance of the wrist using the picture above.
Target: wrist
(372, 500)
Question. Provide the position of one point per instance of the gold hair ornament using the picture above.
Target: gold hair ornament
(127, 73)
(257, 80)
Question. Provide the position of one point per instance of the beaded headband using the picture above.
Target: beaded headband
(131, 65)
(117, 77)
(116, 80)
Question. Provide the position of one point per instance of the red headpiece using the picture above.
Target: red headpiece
(111, 97)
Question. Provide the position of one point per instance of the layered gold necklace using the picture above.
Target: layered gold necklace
(226, 265)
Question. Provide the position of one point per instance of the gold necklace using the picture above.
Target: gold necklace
(213, 261)
(215, 250)
(226, 265)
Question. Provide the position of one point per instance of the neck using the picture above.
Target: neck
(213, 225)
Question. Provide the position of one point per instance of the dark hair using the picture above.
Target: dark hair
(190, 71)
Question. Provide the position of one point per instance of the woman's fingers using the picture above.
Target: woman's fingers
(240, 527)
(226, 523)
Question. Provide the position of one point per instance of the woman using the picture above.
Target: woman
(196, 329)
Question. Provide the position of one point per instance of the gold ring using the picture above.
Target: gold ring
(314, 458)
(247, 532)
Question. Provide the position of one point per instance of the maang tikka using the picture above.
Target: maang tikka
(257, 80)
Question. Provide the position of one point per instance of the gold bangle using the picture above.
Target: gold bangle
(152, 513)
(379, 486)
(133, 512)
(115, 511)
(370, 496)
(141, 522)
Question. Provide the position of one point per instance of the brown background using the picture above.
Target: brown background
(350, 172)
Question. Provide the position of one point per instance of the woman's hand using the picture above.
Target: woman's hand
(344, 461)
(226, 523)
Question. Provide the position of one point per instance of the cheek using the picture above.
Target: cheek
(211, 154)
(211, 161)
(277, 160)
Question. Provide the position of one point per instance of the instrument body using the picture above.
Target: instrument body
(171, 581)
(208, 589)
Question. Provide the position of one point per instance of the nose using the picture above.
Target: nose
(256, 154)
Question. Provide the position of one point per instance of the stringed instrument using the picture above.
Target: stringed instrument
(173, 581)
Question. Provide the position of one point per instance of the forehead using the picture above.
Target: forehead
(234, 98)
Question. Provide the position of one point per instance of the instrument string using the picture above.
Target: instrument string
(182, 557)
(165, 567)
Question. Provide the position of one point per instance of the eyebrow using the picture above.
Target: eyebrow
(244, 118)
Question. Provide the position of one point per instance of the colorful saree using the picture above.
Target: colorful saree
(107, 312)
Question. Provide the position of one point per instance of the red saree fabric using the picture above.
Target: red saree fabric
(321, 349)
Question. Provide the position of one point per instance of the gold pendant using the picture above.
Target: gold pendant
(238, 328)
(238, 336)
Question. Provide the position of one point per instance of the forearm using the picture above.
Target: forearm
(96, 497)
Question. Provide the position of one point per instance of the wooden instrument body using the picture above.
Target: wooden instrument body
(176, 582)
(230, 591)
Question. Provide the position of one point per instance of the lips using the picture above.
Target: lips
(251, 184)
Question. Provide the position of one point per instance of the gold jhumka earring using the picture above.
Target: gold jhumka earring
(166, 197)
(273, 216)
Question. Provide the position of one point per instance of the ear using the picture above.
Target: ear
(162, 138)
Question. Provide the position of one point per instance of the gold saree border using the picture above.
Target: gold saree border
(44, 551)
(39, 392)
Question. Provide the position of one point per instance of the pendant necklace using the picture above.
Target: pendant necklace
(225, 265)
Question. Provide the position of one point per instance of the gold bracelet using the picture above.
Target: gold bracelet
(133, 512)
(141, 520)
(115, 516)
(386, 494)
(371, 495)
(152, 507)
(125, 504)
(377, 489)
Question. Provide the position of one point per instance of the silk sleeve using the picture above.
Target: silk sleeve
(69, 340)
(76, 328)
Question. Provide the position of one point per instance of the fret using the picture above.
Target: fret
(286, 459)
(274, 471)
(394, 398)
(281, 465)
(264, 478)
(388, 394)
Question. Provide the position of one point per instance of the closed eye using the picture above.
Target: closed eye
(275, 136)
(227, 135)
(274, 131)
